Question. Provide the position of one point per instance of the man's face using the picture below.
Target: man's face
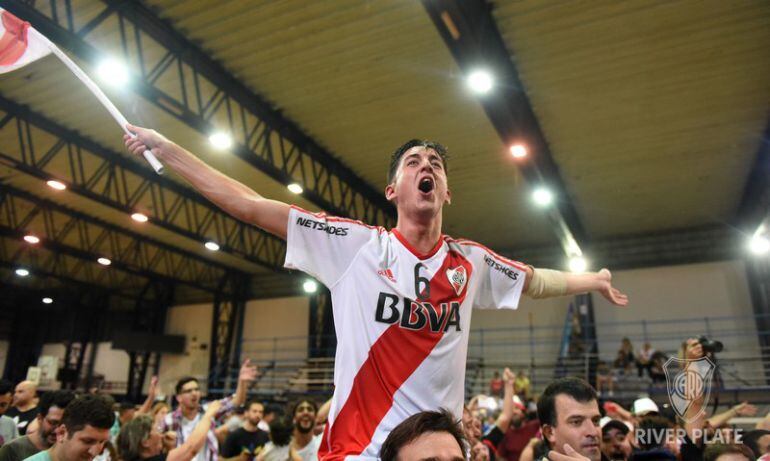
(23, 395)
(254, 413)
(49, 424)
(420, 184)
(577, 424)
(615, 444)
(83, 445)
(304, 417)
(433, 446)
(517, 417)
(5, 402)
(189, 396)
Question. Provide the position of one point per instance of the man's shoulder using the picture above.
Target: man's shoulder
(20, 443)
(40, 456)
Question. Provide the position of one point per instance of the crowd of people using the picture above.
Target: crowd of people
(567, 422)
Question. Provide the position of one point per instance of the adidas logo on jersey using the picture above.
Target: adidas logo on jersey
(387, 273)
(415, 315)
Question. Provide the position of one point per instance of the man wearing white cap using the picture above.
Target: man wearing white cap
(643, 407)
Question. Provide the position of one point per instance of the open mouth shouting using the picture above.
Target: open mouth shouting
(426, 185)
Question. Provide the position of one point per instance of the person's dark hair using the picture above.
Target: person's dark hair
(60, 399)
(281, 430)
(715, 450)
(273, 408)
(575, 388)
(132, 434)
(395, 159)
(296, 404)
(6, 387)
(653, 424)
(418, 424)
(125, 406)
(751, 440)
(251, 402)
(182, 381)
(92, 410)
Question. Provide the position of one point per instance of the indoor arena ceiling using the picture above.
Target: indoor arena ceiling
(651, 115)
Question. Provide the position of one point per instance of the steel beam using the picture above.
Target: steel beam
(113, 180)
(470, 33)
(76, 234)
(226, 330)
(200, 92)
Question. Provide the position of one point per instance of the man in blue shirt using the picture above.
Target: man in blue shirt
(84, 430)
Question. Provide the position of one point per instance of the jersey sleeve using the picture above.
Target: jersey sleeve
(501, 281)
(324, 246)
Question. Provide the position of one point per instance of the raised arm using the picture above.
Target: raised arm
(228, 194)
(506, 415)
(721, 419)
(196, 440)
(546, 283)
(246, 376)
(152, 392)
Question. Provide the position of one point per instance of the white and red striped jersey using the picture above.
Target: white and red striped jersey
(402, 320)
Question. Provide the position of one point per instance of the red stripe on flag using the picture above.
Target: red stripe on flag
(13, 43)
(392, 359)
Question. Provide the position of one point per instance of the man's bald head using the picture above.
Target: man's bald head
(24, 394)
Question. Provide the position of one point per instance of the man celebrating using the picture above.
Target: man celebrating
(84, 430)
(401, 298)
(52, 405)
(184, 419)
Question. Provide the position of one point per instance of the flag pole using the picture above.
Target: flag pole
(156, 165)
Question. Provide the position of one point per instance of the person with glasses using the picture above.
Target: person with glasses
(189, 412)
(52, 405)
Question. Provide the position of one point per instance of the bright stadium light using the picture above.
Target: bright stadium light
(518, 151)
(578, 264)
(542, 196)
(294, 188)
(31, 239)
(47, 300)
(211, 246)
(480, 81)
(21, 272)
(139, 217)
(104, 261)
(54, 184)
(113, 72)
(221, 140)
(310, 286)
(759, 245)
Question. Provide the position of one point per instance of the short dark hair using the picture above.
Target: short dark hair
(575, 388)
(126, 406)
(60, 399)
(418, 424)
(251, 402)
(273, 408)
(281, 430)
(6, 387)
(182, 381)
(715, 450)
(395, 158)
(751, 440)
(296, 405)
(91, 410)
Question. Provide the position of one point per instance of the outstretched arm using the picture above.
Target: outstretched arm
(232, 196)
(152, 393)
(504, 420)
(545, 283)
